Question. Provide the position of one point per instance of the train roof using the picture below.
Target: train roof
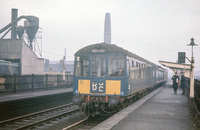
(110, 48)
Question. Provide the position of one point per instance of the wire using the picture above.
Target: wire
(56, 54)
(52, 53)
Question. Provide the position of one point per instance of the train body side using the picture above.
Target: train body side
(137, 75)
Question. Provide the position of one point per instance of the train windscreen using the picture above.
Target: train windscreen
(97, 65)
(116, 65)
(82, 66)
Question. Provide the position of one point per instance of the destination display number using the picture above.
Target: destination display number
(97, 87)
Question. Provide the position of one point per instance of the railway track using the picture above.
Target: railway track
(88, 123)
(19, 107)
(39, 119)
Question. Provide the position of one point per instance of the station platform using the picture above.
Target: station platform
(159, 110)
(18, 96)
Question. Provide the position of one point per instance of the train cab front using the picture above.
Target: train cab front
(98, 82)
(97, 95)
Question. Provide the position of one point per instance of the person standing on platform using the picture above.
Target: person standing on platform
(183, 82)
(175, 79)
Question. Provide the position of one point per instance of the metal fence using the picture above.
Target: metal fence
(19, 83)
(195, 103)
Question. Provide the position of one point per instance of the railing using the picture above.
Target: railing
(20, 83)
(195, 103)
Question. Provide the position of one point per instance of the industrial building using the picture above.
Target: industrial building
(16, 51)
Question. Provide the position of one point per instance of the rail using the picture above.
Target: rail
(38, 118)
(21, 83)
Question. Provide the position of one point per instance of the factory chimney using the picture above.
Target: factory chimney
(107, 29)
(13, 29)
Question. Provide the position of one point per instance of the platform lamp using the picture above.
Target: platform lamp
(192, 43)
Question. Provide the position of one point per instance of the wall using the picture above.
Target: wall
(18, 50)
(10, 49)
(29, 62)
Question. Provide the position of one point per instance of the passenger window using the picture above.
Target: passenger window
(132, 63)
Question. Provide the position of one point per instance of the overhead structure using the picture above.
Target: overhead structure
(177, 67)
(20, 31)
(31, 21)
(107, 29)
(22, 48)
(31, 26)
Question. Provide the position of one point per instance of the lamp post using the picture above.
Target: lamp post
(192, 43)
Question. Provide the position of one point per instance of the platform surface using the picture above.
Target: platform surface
(161, 110)
(17, 96)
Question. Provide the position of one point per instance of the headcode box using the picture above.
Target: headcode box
(181, 57)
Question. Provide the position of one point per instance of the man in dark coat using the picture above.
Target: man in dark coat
(175, 79)
(183, 83)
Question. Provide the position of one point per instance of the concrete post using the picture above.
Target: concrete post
(192, 78)
(192, 43)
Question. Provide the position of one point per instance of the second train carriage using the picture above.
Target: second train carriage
(106, 75)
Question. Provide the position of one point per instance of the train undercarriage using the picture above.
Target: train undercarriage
(97, 105)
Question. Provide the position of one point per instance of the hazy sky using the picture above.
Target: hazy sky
(153, 29)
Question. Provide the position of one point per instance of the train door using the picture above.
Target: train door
(128, 68)
(128, 64)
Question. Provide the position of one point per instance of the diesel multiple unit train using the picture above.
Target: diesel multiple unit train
(107, 76)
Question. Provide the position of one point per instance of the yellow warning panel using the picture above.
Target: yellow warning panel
(84, 86)
(113, 87)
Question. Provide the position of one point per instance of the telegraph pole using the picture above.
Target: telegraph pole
(64, 68)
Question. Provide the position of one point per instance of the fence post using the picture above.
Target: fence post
(15, 89)
(32, 82)
(67, 84)
(70, 80)
(46, 81)
(58, 81)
